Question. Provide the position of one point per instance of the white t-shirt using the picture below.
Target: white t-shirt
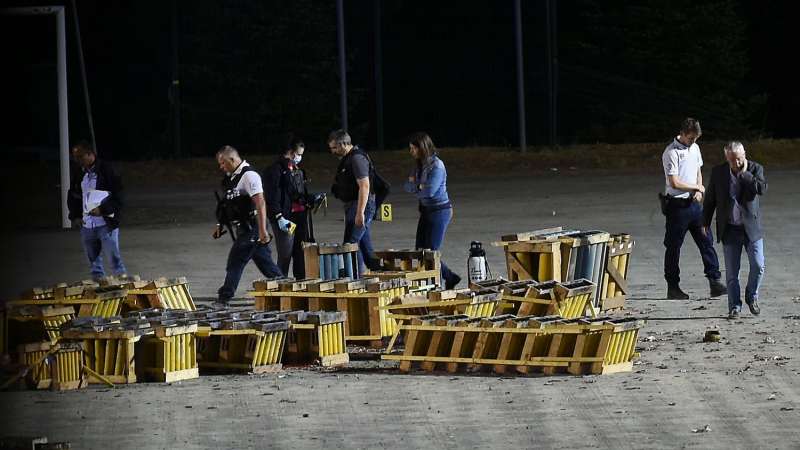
(682, 161)
(250, 183)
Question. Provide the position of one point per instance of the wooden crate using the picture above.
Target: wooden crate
(258, 349)
(533, 260)
(105, 304)
(267, 303)
(172, 294)
(168, 355)
(321, 338)
(548, 344)
(56, 366)
(420, 267)
(575, 298)
(483, 303)
(109, 353)
(409, 260)
(614, 287)
(418, 279)
(331, 261)
(31, 323)
(583, 256)
(529, 298)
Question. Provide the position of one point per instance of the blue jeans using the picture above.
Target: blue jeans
(360, 235)
(101, 241)
(431, 228)
(243, 250)
(732, 242)
(679, 221)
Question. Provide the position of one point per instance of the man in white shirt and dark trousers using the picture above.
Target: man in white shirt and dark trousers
(684, 191)
(244, 211)
(94, 201)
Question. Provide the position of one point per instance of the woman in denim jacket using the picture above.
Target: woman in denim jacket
(428, 181)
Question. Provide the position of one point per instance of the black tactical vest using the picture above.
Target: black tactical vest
(345, 186)
(238, 205)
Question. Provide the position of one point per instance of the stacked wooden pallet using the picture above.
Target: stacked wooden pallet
(361, 300)
(256, 341)
(548, 344)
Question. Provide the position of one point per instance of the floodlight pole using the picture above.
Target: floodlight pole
(342, 68)
(378, 74)
(63, 119)
(523, 145)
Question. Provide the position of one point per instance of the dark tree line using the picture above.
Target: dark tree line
(251, 72)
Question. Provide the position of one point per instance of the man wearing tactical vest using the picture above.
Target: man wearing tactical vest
(353, 186)
(243, 211)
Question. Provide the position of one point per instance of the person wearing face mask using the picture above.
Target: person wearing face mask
(428, 181)
(287, 204)
(733, 193)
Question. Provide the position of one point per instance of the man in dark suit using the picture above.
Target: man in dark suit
(734, 192)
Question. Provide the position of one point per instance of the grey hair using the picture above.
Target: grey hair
(228, 152)
(340, 137)
(734, 147)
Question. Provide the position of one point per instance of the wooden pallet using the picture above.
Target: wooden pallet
(547, 344)
(614, 288)
(258, 349)
(331, 261)
(168, 355)
(359, 299)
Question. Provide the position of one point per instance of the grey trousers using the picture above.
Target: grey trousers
(283, 245)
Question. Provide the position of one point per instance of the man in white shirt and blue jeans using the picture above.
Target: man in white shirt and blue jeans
(684, 192)
(97, 213)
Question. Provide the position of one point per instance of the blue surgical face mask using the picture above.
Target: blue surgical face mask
(297, 159)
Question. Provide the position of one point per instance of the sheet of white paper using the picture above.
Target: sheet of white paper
(92, 199)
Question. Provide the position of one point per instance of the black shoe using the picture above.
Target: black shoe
(221, 304)
(733, 314)
(675, 293)
(754, 309)
(452, 282)
(717, 288)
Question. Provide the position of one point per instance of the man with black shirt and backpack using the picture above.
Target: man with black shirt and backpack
(355, 185)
